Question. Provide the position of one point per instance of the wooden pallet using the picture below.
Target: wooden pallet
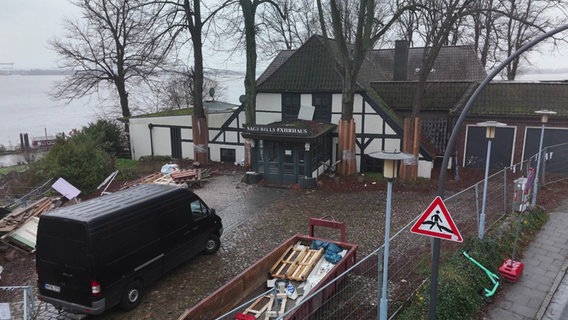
(296, 264)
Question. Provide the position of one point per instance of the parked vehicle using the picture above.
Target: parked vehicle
(103, 252)
(227, 301)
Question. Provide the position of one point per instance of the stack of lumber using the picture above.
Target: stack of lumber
(21, 215)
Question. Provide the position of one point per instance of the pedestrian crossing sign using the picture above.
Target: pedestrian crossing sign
(436, 222)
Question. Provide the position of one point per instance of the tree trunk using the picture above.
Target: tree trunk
(410, 144)
(200, 139)
(346, 145)
(200, 128)
(249, 12)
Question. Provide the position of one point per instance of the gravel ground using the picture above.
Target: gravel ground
(256, 220)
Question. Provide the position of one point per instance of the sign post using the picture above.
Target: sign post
(437, 223)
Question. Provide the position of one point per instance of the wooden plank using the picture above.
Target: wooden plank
(261, 303)
(272, 313)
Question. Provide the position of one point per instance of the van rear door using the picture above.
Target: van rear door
(64, 270)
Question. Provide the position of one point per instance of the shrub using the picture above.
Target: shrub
(82, 162)
(107, 134)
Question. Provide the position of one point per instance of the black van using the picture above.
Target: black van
(102, 252)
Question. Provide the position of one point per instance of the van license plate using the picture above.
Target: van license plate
(52, 287)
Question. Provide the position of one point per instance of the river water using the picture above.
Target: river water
(27, 107)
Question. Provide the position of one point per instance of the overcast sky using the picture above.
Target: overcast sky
(27, 25)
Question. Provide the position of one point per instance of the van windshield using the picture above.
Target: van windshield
(63, 243)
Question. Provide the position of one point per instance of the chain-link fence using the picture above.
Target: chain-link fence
(17, 302)
(355, 294)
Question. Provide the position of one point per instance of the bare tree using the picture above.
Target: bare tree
(278, 32)
(524, 20)
(112, 44)
(179, 90)
(187, 15)
(364, 25)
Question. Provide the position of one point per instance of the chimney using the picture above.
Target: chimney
(400, 68)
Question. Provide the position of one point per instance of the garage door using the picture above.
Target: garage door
(556, 157)
(501, 147)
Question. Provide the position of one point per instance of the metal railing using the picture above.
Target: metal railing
(17, 302)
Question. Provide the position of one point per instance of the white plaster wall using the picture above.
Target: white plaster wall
(373, 123)
(358, 104)
(305, 99)
(268, 102)
(425, 169)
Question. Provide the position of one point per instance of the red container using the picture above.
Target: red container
(511, 270)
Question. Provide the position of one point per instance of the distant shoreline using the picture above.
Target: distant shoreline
(34, 72)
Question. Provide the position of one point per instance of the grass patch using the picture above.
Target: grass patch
(462, 283)
(20, 168)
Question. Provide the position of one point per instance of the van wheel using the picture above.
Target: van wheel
(131, 296)
(213, 244)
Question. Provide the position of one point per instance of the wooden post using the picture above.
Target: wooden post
(346, 132)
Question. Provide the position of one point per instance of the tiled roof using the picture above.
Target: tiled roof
(498, 98)
(311, 69)
(308, 69)
(439, 95)
(513, 98)
(454, 63)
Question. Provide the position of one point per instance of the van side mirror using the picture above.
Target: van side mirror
(212, 211)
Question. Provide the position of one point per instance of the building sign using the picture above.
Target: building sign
(277, 130)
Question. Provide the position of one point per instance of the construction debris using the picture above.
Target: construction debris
(191, 177)
(19, 228)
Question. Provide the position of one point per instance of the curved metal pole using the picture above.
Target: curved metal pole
(453, 137)
(450, 147)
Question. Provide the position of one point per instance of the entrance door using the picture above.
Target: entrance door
(281, 162)
(289, 163)
(175, 136)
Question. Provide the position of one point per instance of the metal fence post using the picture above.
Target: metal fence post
(379, 279)
(477, 202)
(545, 156)
(505, 189)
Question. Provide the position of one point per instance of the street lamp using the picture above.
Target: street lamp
(390, 166)
(490, 128)
(543, 119)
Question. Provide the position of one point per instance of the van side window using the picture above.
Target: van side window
(198, 209)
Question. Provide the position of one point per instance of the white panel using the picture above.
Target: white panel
(268, 102)
(187, 150)
(161, 138)
(425, 169)
(373, 123)
(216, 120)
(392, 144)
(306, 112)
(335, 118)
(187, 134)
(267, 118)
(336, 102)
(358, 121)
(65, 188)
(306, 99)
(389, 130)
(358, 103)
(374, 146)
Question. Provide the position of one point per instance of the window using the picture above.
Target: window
(290, 106)
(198, 209)
(322, 103)
(228, 155)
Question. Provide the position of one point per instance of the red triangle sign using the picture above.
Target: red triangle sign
(436, 222)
